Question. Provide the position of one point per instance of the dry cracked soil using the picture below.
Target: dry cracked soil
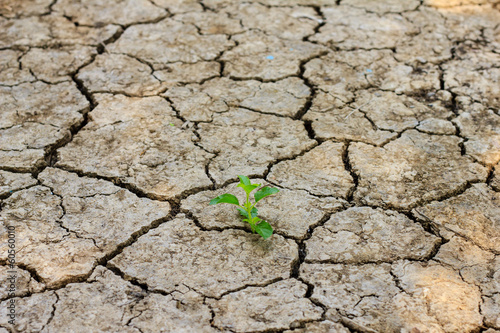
(378, 121)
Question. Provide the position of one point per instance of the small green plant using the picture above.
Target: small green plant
(248, 211)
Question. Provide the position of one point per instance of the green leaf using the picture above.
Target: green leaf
(255, 220)
(264, 229)
(264, 192)
(225, 198)
(254, 211)
(242, 212)
(248, 188)
(245, 214)
(244, 180)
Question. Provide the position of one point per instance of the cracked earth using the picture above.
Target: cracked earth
(379, 121)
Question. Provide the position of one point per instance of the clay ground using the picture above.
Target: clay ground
(378, 121)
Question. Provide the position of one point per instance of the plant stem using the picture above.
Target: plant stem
(249, 211)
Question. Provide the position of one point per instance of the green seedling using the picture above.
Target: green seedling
(248, 210)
